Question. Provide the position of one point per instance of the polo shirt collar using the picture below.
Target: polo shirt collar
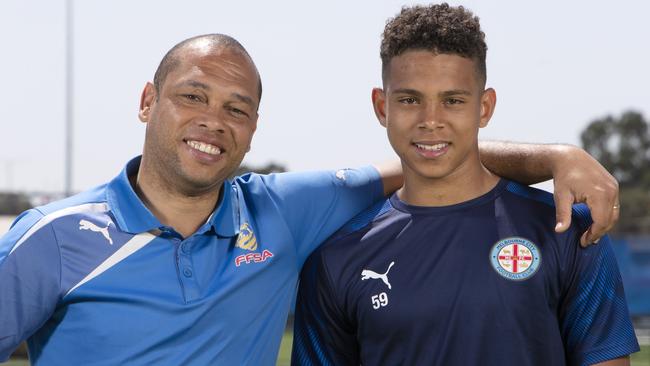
(134, 217)
(130, 213)
(225, 219)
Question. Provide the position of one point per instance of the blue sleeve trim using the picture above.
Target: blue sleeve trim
(531, 193)
(597, 324)
(363, 219)
(308, 345)
(610, 353)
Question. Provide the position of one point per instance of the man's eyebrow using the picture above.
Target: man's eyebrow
(196, 84)
(449, 93)
(243, 98)
(200, 85)
(408, 91)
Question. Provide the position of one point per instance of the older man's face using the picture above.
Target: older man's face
(200, 126)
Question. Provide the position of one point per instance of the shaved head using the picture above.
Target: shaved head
(205, 43)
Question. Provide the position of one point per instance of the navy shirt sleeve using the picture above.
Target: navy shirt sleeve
(29, 280)
(316, 204)
(322, 334)
(594, 318)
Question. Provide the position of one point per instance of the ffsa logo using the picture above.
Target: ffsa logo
(253, 257)
(247, 241)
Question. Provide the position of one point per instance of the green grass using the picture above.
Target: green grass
(641, 358)
(638, 359)
(13, 362)
(284, 358)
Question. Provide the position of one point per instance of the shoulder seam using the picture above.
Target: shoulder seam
(329, 283)
(344, 232)
(46, 219)
(58, 249)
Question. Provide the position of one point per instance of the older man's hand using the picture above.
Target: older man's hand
(578, 177)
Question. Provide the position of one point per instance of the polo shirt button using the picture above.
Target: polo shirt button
(187, 272)
(185, 248)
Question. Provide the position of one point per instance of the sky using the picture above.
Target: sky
(556, 66)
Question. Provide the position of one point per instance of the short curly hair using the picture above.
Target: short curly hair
(438, 28)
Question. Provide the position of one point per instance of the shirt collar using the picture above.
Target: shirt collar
(134, 217)
(225, 219)
(130, 213)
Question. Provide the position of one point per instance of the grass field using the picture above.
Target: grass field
(638, 359)
(284, 358)
(641, 358)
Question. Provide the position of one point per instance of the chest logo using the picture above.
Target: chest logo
(246, 239)
(87, 225)
(515, 258)
(253, 257)
(367, 274)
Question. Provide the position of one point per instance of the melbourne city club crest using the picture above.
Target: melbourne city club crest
(515, 258)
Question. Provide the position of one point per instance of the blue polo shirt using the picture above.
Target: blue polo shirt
(96, 279)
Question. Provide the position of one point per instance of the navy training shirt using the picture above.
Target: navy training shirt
(483, 282)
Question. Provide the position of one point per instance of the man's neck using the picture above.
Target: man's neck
(461, 185)
(184, 212)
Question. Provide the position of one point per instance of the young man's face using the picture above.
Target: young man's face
(201, 124)
(432, 107)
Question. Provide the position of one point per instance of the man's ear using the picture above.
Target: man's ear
(147, 98)
(488, 103)
(379, 105)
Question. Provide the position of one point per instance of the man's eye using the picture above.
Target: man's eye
(238, 111)
(453, 101)
(408, 100)
(192, 97)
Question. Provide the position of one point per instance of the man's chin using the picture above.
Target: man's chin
(194, 185)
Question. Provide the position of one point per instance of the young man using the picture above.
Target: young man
(170, 263)
(460, 266)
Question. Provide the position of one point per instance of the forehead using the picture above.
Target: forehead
(218, 67)
(425, 69)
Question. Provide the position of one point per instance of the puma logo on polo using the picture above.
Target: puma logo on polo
(368, 274)
(87, 225)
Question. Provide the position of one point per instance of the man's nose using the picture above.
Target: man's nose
(213, 121)
(432, 117)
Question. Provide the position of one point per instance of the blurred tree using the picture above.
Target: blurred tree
(13, 203)
(267, 169)
(622, 145)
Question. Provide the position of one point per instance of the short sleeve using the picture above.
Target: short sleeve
(29, 280)
(594, 318)
(316, 204)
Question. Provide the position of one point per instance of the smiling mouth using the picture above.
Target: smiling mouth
(435, 147)
(203, 147)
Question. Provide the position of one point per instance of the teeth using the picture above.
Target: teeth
(203, 147)
(432, 147)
